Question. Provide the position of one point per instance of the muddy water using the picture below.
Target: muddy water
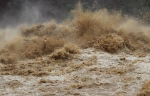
(91, 73)
(93, 54)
